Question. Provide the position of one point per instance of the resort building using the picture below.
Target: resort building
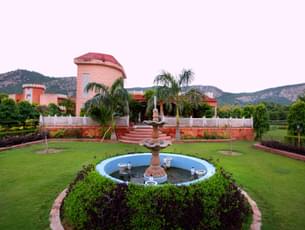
(35, 94)
(95, 67)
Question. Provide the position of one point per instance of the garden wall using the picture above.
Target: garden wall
(84, 131)
(236, 133)
(186, 132)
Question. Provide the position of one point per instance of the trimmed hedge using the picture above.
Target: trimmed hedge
(285, 147)
(96, 202)
(17, 132)
(16, 140)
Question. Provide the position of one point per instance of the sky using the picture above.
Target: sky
(237, 46)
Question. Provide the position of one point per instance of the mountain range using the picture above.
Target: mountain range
(11, 82)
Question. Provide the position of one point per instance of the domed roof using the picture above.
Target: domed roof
(100, 58)
(97, 56)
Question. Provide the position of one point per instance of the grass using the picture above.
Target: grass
(275, 134)
(29, 182)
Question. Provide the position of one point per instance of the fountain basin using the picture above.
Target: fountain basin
(110, 165)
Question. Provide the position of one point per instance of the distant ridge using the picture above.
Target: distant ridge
(11, 82)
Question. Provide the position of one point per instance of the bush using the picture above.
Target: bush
(294, 140)
(283, 146)
(213, 135)
(15, 140)
(96, 202)
(59, 133)
(16, 132)
(72, 133)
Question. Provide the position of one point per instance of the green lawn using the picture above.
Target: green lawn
(275, 133)
(29, 182)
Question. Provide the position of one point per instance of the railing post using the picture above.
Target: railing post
(41, 123)
(70, 120)
(243, 122)
(54, 119)
(127, 120)
(191, 121)
(84, 120)
(203, 121)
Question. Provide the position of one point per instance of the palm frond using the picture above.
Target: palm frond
(186, 77)
(118, 84)
(96, 87)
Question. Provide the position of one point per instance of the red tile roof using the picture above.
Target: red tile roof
(98, 56)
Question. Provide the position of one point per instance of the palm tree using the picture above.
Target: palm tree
(194, 98)
(108, 103)
(163, 96)
(175, 87)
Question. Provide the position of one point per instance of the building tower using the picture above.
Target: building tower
(95, 67)
(32, 92)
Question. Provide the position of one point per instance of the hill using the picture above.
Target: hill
(11, 82)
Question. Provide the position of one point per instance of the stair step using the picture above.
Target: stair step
(141, 138)
(138, 134)
(143, 135)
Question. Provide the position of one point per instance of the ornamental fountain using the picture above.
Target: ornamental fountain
(155, 172)
(146, 168)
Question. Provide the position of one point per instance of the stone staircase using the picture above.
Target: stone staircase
(139, 133)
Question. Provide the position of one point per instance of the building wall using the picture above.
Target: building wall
(32, 94)
(93, 73)
(46, 99)
(236, 133)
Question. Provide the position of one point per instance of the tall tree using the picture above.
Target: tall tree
(175, 86)
(260, 120)
(27, 111)
(296, 118)
(108, 103)
(8, 112)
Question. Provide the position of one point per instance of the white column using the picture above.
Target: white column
(70, 120)
(54, 120)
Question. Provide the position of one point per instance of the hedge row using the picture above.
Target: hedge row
(284, 146)
(17, 132)
(20, 139)
(95, 202)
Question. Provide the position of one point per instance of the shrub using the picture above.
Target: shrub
(81, 199)
(212, 135)
(59, 133)
(96, 202)
(16, 132)
(294, 140)
(15, 140)
(72, 133)
(283, 146)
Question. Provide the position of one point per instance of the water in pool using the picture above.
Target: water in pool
(135, 175)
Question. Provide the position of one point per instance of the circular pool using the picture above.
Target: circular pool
(182, 168)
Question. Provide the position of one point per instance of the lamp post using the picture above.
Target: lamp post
(299, 129)
(45, 134)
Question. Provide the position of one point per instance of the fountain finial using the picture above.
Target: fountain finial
(155, 102)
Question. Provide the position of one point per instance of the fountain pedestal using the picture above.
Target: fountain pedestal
(155, 145)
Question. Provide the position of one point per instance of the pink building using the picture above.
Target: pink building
(95, 67)
(35, 94)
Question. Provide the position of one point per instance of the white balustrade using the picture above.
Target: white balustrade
(211, 122)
